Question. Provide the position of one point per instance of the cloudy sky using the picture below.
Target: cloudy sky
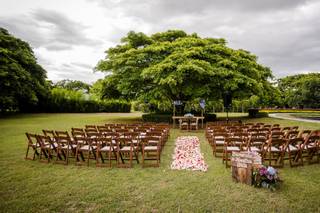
(69, 37)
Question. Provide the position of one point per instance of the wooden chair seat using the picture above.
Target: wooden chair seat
(232, 148)
(150, 148)
(107, 148)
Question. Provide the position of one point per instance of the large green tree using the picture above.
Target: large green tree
(22, 80)
(301, 90)
(174, 65)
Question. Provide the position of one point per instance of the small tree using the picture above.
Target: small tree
(301, 90)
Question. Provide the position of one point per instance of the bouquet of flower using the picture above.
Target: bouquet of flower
(266, 177)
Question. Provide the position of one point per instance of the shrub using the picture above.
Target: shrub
(253, 112)
(73, 105)
(115, 106)
(210, 117)
(154, 117)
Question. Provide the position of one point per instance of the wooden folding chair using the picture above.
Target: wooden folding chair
(257, 144)
(72, 144)
(151, 151)
(311, 149)
(218, 142)
(65, 148)
(184, 123)
(231, 145)
(47, 148)
(294, 148)
(194, 124)
(34, 145)
(105, 145)
(83, 148)
(275, 152)
(126, 151)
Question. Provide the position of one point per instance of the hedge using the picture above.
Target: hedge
(70, 105)
(254, 113)
(157, 117)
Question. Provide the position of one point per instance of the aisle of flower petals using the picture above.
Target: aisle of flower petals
(187, 154)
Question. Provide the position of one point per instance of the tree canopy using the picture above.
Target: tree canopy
(301, 90)
(174, 65)
(22, 79)
(73, 85)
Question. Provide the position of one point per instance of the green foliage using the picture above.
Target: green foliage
(301, 90)
(22, 80)
(173, 65)
(73, 85)
(63, 100)
(105, 89)
(253, 112)
(210, 117)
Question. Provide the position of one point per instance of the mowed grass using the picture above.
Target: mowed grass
(31, 186)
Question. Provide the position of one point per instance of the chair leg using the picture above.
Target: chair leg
(109, 153)
(131, 158)
(67, 157)
(88, 160)
(143, 153)
(27, 152)
(158, 158)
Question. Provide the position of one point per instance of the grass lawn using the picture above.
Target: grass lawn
(31, 186)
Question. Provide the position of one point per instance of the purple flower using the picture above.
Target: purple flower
(263, 171)
(271, 171)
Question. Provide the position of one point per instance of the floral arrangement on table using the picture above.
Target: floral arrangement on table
(266, 177)
(187, 154)
(188, 115)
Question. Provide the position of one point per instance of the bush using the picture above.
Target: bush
(71, 105)
(154, 117)
(210, 117)
(115, 106)
(253, 112)
(262, 115)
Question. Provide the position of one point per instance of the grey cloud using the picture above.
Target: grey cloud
(25, 28)
(157, 10)
(71, 71)
(49, 29)
(277, 32)
(82, 65)
(65, 32)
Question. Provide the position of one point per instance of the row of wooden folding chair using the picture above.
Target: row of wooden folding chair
(276, 150)
(78, 143)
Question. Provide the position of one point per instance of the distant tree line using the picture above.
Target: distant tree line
(24, 86)
(152, 72)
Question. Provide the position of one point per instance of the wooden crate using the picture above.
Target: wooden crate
(242, 164)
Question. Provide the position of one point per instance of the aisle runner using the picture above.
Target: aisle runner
(187, 154)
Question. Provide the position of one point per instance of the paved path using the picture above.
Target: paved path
(288, 117)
